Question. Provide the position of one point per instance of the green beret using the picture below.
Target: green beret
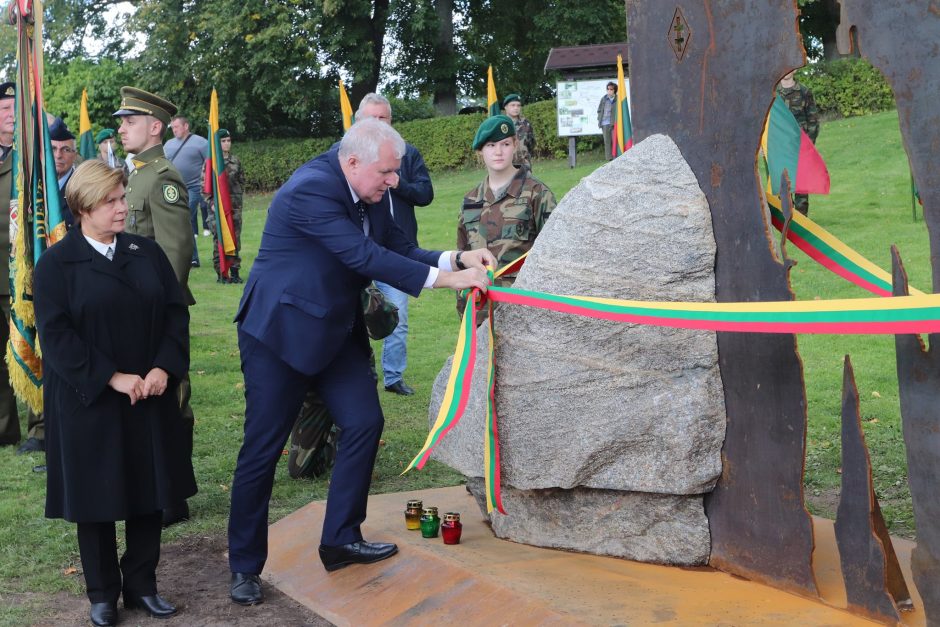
(104, 134)
(511, 98)
(223, 133)
(139, 102)
(493, 129)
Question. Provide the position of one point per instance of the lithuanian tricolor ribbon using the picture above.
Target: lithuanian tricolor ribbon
(830, 252)
(918, 313)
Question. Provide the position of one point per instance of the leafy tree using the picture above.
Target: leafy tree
(515, 36)
(818, 22)
(352, 36)
(103, 79)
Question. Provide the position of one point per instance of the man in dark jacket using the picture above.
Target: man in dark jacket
(300, 324)
(413, 188)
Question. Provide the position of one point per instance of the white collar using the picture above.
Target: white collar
(100, 247)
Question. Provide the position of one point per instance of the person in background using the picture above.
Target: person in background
(116, 438)
(605, 118)
(236, 183)
(802, 105)
(525, 136)
(413, 188)
(65, 156)
(107, 149)
(188, 152)
(9, 414)
(505, 212)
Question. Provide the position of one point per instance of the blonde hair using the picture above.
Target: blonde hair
(90, 184)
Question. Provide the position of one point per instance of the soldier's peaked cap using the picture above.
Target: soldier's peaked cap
(139, 102)
(7, 90)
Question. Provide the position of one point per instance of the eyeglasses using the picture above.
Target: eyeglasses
(63, 149)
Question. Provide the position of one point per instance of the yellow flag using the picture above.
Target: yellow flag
(345, 106)
(86, 143)
(492, 103)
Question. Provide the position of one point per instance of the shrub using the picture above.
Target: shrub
(548, 145)
(270, 162)
(847, 87)
(444, 142)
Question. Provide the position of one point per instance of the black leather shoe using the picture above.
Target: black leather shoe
(31, 445)
(155, 605)
(399, 387)
(246, 589)
(362, 552)
(195, 264)
(103, 614)
(178, 512)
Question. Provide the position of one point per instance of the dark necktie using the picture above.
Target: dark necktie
(361, 207)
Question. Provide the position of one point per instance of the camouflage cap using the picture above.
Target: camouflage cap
(493, 129)
(7, 90)
(511, 98)
(139, 102)
(104, 134)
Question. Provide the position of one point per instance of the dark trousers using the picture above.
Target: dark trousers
(97, 544)
(274, 393)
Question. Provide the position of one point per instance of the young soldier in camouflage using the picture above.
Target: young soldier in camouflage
(525, 136)
(236, 183)
(508, 209)
(802, 105)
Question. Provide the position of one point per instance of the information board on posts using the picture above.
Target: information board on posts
(577, 105)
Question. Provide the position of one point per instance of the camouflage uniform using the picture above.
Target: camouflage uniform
(802, 105)
(525, 146)
(236, 184)
(507, 225)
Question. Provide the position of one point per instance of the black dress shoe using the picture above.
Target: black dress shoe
(362, 552)
(246, 589)
(103, 614)
(178, 512)
(399, 387)
(155, 605)
(31, 445)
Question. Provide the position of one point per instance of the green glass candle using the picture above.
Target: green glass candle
(430, 523)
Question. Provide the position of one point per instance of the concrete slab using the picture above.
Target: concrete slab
(485, 580)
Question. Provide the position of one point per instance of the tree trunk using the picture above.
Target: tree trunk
(445, 86)
(368, 82)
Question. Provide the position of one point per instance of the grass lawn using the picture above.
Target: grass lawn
(869, 208)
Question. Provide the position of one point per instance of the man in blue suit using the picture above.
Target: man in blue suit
(300, 324)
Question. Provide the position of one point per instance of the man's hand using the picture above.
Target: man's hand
(155, 382)
(130, 384)
(463, 279)
(478, 258)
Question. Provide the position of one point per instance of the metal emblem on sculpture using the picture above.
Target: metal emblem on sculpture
(679, 34)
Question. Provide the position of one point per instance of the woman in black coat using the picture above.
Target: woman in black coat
(114, 332)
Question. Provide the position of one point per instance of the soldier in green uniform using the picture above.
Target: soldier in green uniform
(9, 416)
(107, 151)
(236, 183)
(525, 136)
(802, 105)
(158, 208)
(508, 209)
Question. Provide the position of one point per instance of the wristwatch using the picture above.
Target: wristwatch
(460, 265)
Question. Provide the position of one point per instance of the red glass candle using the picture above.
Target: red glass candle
(451, 528)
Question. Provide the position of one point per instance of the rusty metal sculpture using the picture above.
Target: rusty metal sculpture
(701, 93)
(900, 38)
(874, 583)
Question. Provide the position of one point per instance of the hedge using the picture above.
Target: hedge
(270, 162)
(444, 142)
(847, 87)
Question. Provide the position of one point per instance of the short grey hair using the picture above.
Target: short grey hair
(372, 98)
(365, 137)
